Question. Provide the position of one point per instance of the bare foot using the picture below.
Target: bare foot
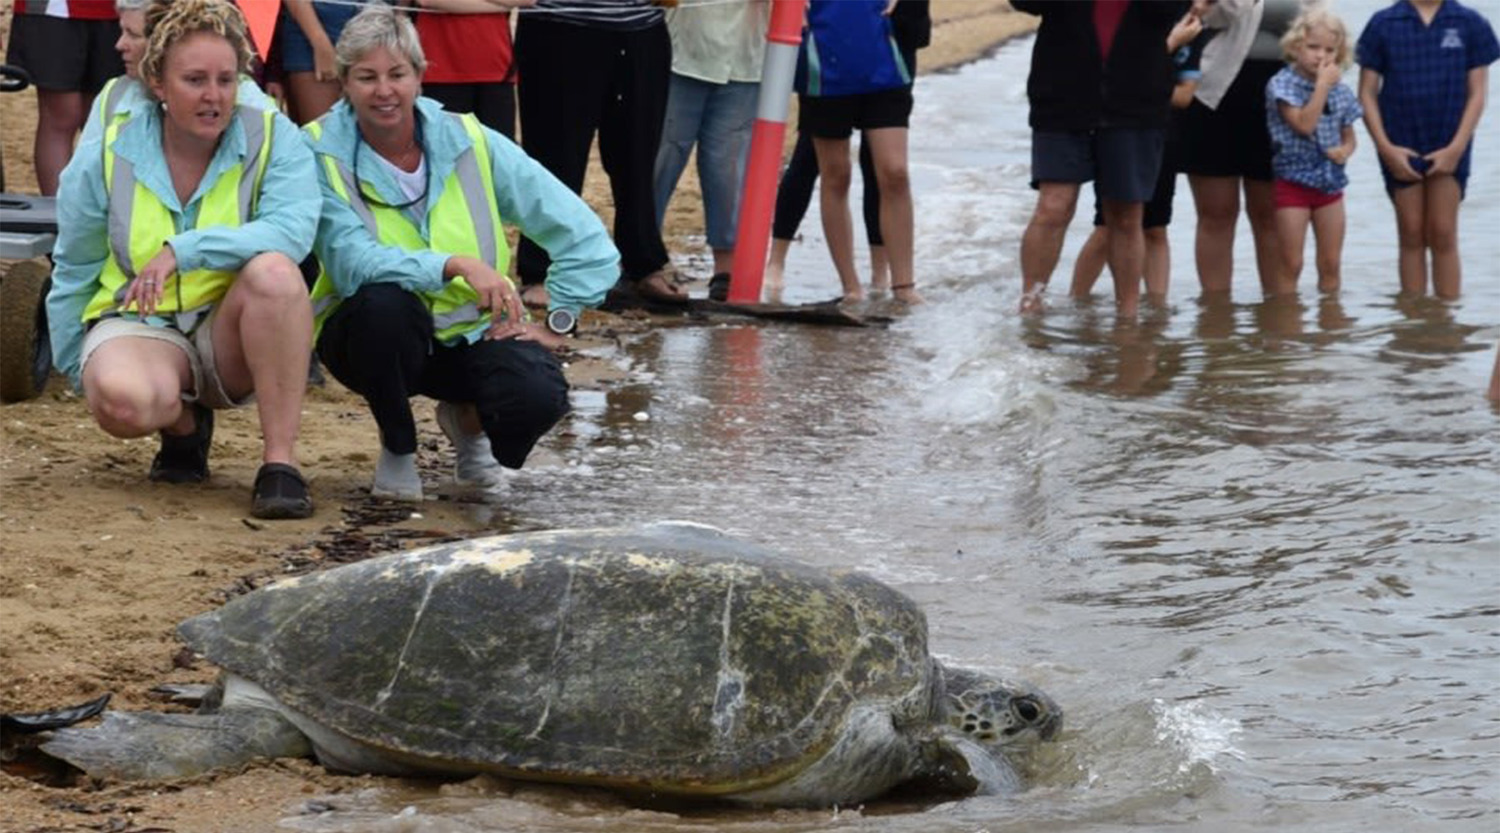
(659, 286)
(1031, 300)
(907, 294)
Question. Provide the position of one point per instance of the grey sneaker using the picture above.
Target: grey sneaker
(396, 478)
(475, 463)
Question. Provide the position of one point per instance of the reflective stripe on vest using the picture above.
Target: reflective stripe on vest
(465, 220)
(109, 98)
(139, 222)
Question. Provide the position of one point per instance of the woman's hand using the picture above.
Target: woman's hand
(149, 284)
(526, 331)
(496, 293)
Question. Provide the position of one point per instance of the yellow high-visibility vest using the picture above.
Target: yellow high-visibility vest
(465, 220)
(139, 222)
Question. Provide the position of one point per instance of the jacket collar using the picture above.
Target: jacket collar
(140, 143)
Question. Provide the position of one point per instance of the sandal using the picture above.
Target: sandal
(718, 287)
(184, 458)
(280, 493)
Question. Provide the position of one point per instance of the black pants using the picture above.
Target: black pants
(380, 345)
(574, 81)
(493, 102)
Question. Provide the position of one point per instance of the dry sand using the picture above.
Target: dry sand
(97, 565)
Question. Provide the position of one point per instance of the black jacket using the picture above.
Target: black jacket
(1070, 89)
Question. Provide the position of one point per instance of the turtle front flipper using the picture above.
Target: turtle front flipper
(135, 746)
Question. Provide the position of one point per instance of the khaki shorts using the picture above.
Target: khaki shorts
(208, 388)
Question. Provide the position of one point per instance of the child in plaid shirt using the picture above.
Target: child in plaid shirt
(1424, 68)
(1311, 118)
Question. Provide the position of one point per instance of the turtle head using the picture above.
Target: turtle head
(995, 712)
(982, 722)
(980, 726)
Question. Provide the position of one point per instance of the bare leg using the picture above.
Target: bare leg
(776, 269)
(134, 387)
(60, 115)
(1260, 207)
(897, 226)
(1441, 233)
(1217, 201)
(1089, 264)
(1041, 244)
(723, 260)
(262, 338)
(1411, 208)
(1127, 252)
(1158, 265)
(1494, 392)
(1328, 227)
(1292, 231)
(834, 171)
(880, 269)
(310, 98)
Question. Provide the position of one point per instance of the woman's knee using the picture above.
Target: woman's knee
(130, 405)
(273, 275)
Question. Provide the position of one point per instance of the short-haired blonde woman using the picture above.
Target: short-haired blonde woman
(414, 298)
(176, 289)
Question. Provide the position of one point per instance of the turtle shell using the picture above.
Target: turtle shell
(669, 658)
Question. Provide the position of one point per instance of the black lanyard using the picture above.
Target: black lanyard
(359, 183)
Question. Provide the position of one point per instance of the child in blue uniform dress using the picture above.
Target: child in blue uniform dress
(1423, 74)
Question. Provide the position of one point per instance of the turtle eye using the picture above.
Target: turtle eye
(1028, 709)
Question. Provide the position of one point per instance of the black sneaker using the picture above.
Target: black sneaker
(280, 493)
(184, 459)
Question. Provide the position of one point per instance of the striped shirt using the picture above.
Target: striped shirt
(621, 15)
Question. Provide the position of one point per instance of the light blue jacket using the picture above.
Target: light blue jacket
(285, 219)
(134, 99)
(585, 263)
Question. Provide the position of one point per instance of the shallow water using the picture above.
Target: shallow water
(1251, 550)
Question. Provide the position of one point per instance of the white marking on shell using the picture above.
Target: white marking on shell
(416, 622)
(729, 699)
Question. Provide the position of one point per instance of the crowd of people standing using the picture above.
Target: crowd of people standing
(222, 217)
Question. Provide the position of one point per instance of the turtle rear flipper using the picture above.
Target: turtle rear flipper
(31, 723)
(134, 746)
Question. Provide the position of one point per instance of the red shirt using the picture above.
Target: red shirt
(1107, 14)
(74, 9)
(465, 48)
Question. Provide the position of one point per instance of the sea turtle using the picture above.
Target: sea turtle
(668, 659)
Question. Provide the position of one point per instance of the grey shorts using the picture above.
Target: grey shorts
(208, 388)
(1122, 161)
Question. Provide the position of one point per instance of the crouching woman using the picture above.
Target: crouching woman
(413, 298)
(176, 289)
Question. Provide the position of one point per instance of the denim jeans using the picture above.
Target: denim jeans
(718, 118)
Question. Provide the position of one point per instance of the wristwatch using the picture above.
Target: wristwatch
(564, 322)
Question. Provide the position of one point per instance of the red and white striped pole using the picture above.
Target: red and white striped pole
(763, 167)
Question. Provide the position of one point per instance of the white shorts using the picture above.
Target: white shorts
(208, 388)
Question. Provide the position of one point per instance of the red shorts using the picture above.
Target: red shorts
(1290, 194)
